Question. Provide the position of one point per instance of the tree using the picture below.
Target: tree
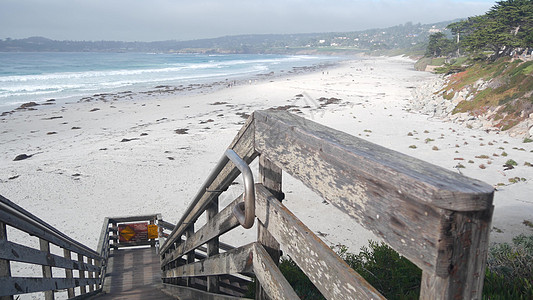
(439, 45)
(508, 25)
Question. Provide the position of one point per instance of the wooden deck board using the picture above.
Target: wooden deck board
(134, 274)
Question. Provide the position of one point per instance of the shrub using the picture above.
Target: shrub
(510, 270)
(509, 273)
(393, 275)
(301, 284)
(511, 162)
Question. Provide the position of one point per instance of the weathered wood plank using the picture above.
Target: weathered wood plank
(83, 289)
(295, 144)
(271, 178)
(20, 253)
(47, 270)
(395, 196)
(270, 277)
(166, 225)
(238, 260)
(243, 145)
(5, 265)
(191, 255)
(88, 295)
(220, 224)
(128, 219)
(465, 247)
(328, 272)
(23, 285)
(213, 246)
(68, 272)
(18, 217)
(187, 293)
(90, 275)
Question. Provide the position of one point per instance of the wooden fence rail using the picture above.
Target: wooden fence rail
(438, 219)
(85, 272)
(86, 263)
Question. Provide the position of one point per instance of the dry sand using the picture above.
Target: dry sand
(150, 154)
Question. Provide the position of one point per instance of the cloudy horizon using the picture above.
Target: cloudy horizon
(160, 20)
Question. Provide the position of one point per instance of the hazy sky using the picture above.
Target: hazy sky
(154, 20)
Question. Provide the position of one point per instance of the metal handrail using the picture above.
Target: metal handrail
(244, 211)
(248, 178)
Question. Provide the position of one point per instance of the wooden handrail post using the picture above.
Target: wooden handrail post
(5, 266)
(466, 247)
(68, 273)
(191, 255)
(270, 175)
(83, 290)
(212, 247)
(90, 274)
(47, 270)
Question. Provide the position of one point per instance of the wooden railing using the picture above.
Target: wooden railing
(109, 236)
(84, 276)
(81, 273)
(437, 219)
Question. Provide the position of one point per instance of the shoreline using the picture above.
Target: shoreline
(185, 87)
(95, 159)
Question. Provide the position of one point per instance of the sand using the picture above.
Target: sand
(147, 153)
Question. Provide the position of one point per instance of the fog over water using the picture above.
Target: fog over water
(185, 20)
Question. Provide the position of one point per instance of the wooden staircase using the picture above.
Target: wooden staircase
(437, 219)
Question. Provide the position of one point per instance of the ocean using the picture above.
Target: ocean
(38, 77)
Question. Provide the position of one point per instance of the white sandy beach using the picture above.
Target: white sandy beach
(124, 157)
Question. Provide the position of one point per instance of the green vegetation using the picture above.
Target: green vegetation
(506, 28)
(510, 270)
(509, 273)
(479, 54)
(511, 162)
(508, 90)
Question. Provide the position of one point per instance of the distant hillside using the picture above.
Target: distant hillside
(406, 36)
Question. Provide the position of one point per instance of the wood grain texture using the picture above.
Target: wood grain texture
(83, 288)
(238, 260)
(186, 293)
(213, 245)
(465, 248)
(44, 246)
(5, 266)
(397, 197)
(55, 237)
(272, 280)
(218, 225)
(68, 272)
(23, 285)
(15, 252)
(133, 274)
(271, 178)
(328, 272)
(287, 138)
(16, 216)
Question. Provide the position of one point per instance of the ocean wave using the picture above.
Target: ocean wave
(173, 68)
(109, 74)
